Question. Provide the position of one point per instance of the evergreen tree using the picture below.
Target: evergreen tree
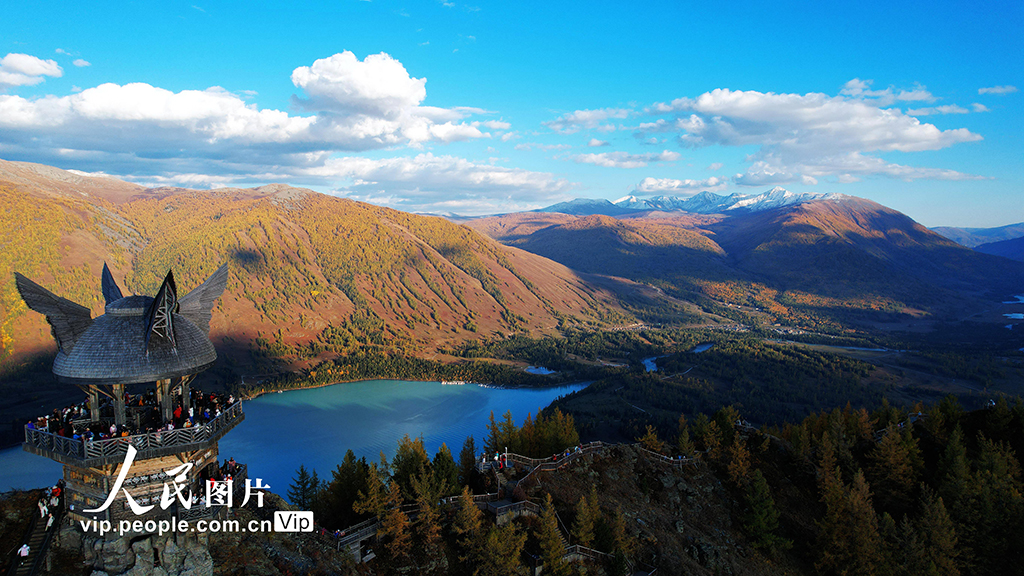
(865, 544)
(467, 461)
(938, 536)
(684, 442)
(586, 517)
(552, 547)
(762, 518)
(302, 492)
(410, 458)
(954, 471)
(348, 480)
(394, 541)
(739, 462)
(430, 548)
(651, 441)
(468, 532)
(446, 473)
(892, 471)
(493, 443)
(501, 551)
(374, 500)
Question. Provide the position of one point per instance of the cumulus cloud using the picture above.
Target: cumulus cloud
(714, 166)
(358, 106)
(625, 159)
(81, 63)
(595, 143)
(997, 90)
(796, 133)
(25, 70)
(586, 120)
(678, 187)
(980, 107)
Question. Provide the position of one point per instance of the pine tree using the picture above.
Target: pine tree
(586, 517)
(468, 531)
(651, 441)
(892, 472)
(954, 471)
(493, 443)
(394, 542)
(302, 492)
(374, 500)
(937, 536)
(446, 473)
(348, 480)
(552, 548)
(865, 543)
(467, 461)
(762, 518)
(410, 458)
(430, 548)
(739, 462)
(501, 551)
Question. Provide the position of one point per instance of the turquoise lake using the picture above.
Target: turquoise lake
(315, 427)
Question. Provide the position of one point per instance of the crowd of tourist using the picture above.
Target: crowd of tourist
(142, 416)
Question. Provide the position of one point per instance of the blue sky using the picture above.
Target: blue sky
(482, 107)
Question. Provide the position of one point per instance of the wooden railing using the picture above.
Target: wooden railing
(112, 450)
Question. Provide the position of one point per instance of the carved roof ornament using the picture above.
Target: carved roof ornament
(137, 339)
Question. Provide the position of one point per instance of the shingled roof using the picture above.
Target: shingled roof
(137, 339)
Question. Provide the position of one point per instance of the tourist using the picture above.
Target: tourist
(22, 554)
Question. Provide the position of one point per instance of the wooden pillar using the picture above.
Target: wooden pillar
(94, 403)
(163, 394)
(186, 387)
(119, 406)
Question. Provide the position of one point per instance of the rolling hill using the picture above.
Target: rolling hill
(826, 262)
(311, 275)
(1012, 249)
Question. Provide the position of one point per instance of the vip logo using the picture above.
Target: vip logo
(293, 521)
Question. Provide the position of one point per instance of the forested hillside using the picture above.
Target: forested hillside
(311, 276)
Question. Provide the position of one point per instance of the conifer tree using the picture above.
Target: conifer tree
(493, 443)
(954, 471)
(586, 518)
(374, 500)
(468, 531)
(430, 548)
(552, 547)
(937, 535)
(892, 472)
(302, 492)
(762, 518)
(501, 551)
(651, 441)
(739, 462)
(394, 541)
(348, 480)
(446, 473)
(684, 442)
(410, 458)
(467, 461)
(865, 544)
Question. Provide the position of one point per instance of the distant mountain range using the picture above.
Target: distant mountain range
(701, 203)
(972, 237)
(825, 261)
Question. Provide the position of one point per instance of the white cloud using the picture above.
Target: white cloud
(948, 109)
(378, 86)
(625, 159)
(361, 105)
(25, 70)
(595, 143)
(845, 168)
(980, 107)
(715, 166)
(998, 90)
(428, 182)
(678, 187)
(81, 63)
(586, 120)
(795, 132)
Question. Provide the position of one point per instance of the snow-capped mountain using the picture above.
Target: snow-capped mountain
(710, 203)
(701, 203)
